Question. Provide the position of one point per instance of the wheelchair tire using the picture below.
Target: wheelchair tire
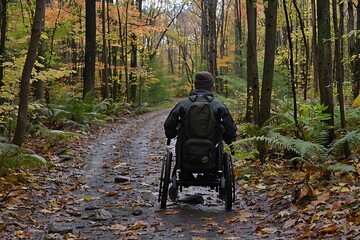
(228, 175)
(233, 178)
(165, 179)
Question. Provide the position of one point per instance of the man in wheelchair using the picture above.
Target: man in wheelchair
(201, 123)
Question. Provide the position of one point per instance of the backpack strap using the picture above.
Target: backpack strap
(208, 98)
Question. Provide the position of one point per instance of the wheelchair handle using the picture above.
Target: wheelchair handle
(168, 141)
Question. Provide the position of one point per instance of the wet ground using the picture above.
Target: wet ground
(111, 192)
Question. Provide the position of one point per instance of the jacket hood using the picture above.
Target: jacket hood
(201, 92)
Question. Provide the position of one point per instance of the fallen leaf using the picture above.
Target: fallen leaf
(118, 227)
(88, 198)
(177, 230)
(173, 212)
(329, 228)
(260, 186)
(289, 223)
(321, 199)
(113, 193)
(138, 225)
(268, 230)
(127, 187)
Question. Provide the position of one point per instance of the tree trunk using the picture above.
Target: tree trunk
(339, 67)
(133, 66)
(115, 74)
(351, 44)
(19, 136)
(90, 48)
(357, 58)
(325, 64)
(252, 66)
(170, 58)
(292, 74)
(238, 40)
(306, 65)
(315, 47)
(270, 47)
(39, 84)
(204, 32)
(105, 71)
(3, 11)
(212, 65)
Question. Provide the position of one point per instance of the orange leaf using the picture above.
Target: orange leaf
(113, 193)
(329, 228)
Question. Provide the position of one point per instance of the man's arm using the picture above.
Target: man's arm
(229, 135)
(171, 122)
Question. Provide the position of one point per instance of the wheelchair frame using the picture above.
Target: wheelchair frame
(223, 179)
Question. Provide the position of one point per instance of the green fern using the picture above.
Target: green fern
(12, 156)
(352, 138)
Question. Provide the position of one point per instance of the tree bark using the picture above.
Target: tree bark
(292, 74)
(3, 11)
(252, 66)
(212, 65)
(20, 131)
(105, 71)
(351, 43)
(90, 48)
(339, 67)
(238, 40)
(325, 64)
(356, 72)
(314, 47)
(270, 48)
(204, 32)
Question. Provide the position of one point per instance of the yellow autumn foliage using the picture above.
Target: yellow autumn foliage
(356, 102)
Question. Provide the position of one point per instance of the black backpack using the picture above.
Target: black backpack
(199, 125)
(199, 118)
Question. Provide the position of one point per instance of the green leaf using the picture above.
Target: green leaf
(341, 167)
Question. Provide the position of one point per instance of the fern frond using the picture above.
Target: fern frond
(352, 138)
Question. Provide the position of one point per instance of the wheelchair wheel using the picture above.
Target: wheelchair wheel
(233, 177)
(165, 179)
(229, 192)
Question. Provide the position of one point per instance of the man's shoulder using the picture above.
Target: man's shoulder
(217, 102)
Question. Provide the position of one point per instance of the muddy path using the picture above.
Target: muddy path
(111, 192)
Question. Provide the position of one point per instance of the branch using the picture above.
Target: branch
(164, 32)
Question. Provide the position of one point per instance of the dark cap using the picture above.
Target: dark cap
(204, 80)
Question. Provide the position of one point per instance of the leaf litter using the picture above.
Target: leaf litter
(273, 201)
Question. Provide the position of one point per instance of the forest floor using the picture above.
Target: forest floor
(108, 189)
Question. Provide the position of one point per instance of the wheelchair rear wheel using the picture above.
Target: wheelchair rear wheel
(229, 191)
(165, 179)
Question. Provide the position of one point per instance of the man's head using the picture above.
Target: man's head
(204, 80)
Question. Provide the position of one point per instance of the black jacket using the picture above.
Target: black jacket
(221, 112)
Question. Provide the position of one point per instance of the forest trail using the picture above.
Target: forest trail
(110, 191)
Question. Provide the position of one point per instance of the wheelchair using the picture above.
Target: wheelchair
(195, 167)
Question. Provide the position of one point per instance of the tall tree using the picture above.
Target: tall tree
(252, 103)
(3, 24)
(39, 84)
(90, 48)
(212, 63)
(19, 136)
(325, 64)
(238, 39)
(339, 67)
(204, 32)
(270, 47)
(307, 54)
(314, 47)
(356, 60)
(292, 71)
(105, 71)
(351, 43)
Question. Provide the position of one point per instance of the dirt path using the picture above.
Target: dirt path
(114, 194)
